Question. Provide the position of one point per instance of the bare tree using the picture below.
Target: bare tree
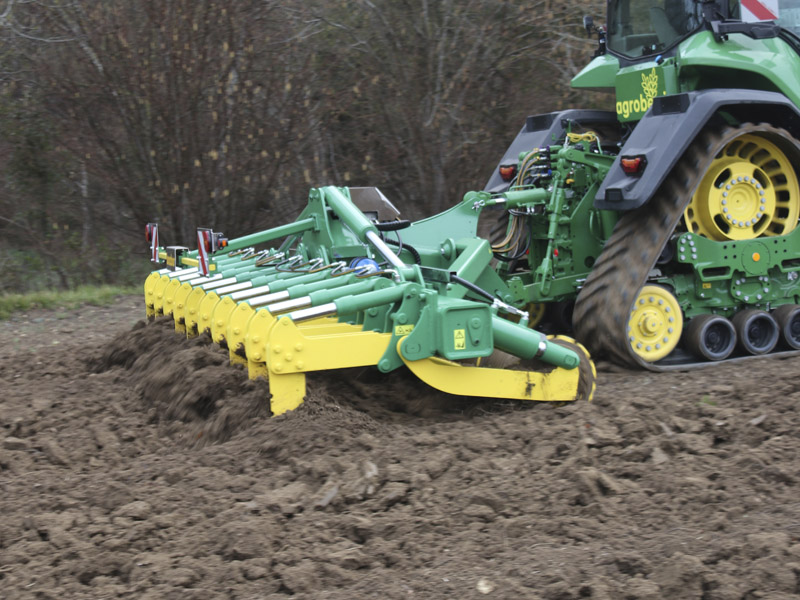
(182, 109)
(437, 88)
(206, 113)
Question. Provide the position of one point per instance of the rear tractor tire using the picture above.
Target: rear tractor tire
(710, 337)
(655, 324)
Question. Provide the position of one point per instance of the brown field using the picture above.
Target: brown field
(136, 464)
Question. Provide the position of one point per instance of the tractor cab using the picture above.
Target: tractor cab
(644, 29)
(652, 48)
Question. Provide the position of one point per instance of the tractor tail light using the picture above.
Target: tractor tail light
(633, 165)
(507, 172)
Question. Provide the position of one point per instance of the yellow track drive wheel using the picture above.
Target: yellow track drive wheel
(656, 323)
(750, 190)
(536, 312)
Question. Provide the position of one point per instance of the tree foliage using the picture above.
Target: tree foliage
(218, 114)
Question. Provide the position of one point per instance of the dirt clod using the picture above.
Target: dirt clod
(13, 443)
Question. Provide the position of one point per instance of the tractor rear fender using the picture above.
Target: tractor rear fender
(545, 130)
(670, 126)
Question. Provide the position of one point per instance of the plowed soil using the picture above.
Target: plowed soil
(137, 464)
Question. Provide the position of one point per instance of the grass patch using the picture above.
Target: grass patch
(64, 299)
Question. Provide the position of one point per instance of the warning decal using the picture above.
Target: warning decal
(403, 329)
(459, 339)
(759, 10)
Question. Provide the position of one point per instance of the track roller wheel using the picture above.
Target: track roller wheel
(711, 337)
(788, 318)
(656, 323)
(750, 190)
(757, 330)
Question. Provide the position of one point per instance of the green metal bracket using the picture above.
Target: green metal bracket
(403, 322)
(726, 276)
(450, 327)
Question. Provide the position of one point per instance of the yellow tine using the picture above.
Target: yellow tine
(237, 329)
(149, 292)
(258, 334)
(158, 294)
(288, 392)
(255, 343)
(169, 295)
(206, 311)
(192, 310)
(220, 319)
(292, 349)
(179, 307)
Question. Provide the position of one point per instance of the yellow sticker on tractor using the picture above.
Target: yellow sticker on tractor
(459, 339)
(403, 329)
(636, 91)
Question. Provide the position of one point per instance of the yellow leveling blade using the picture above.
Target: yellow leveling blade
(454, 378)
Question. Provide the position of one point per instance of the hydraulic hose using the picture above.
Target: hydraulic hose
(472, 287)
(403, 246)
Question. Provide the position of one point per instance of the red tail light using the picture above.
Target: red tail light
(633, 165)
(507, 172)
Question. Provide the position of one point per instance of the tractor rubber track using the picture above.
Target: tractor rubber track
(603, 306)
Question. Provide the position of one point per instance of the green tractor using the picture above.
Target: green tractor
(661, 234)
(665, 231)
